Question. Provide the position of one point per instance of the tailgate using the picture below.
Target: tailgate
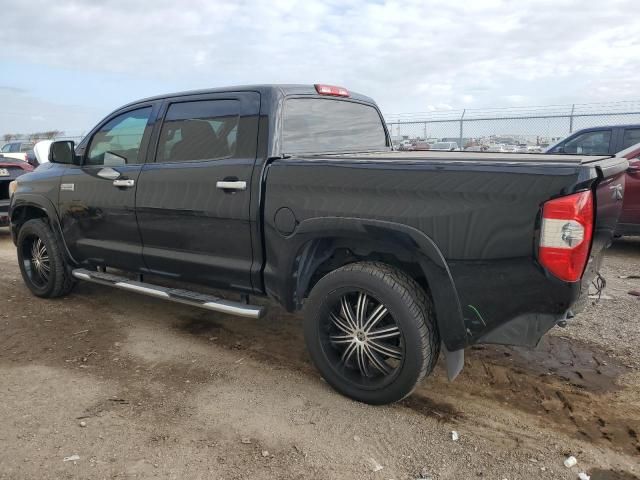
(609, 192)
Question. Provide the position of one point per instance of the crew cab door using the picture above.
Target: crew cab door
(193, 202)
(97, 198)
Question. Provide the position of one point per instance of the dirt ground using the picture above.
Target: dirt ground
(139, 388)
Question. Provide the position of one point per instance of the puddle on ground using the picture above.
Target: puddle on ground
(568, 360)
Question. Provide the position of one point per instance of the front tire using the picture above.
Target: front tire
(370, 331)
(42, 260)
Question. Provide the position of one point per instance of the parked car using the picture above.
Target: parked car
(475, 148)
(41, 152)
(629, 223)
(497, 148)
(421, 146)
(10, 169)
(607, 140)
(392, 255)
(18, 150)
(445, 146)
(405, 145)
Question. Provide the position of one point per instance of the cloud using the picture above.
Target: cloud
(408, 54)
(25, 113)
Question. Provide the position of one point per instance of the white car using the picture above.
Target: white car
(41, 151)
(18, 150)
(445, 146)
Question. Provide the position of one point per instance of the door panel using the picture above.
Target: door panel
(97, 199)
(190, 228)
(631, 206)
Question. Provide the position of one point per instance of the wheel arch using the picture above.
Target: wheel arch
(323, 244)
(29, 206)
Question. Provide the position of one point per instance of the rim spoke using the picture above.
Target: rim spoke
(341, 338)
(339, 322)
(386, 350)
(362, 361)
(362, 337)
(348, 352)
(34, 251)
(45, 266)
(375, 360)
(42, 250)
(361, 309)
(388, 332)
(347, 313)
(377, 315)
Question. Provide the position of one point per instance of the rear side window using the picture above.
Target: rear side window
(25, 147)
(318, 125)
(631, 137)
(589, 143)
(205, 130)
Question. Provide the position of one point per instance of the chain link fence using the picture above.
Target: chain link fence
(505, 129)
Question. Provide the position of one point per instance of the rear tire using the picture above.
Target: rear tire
(42, 260)
(370, 331)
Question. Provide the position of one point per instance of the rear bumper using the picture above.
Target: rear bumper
(514, 301)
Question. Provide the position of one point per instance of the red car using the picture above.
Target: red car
(10, 169)
(629, 221)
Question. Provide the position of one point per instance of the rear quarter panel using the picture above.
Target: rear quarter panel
(482, 218)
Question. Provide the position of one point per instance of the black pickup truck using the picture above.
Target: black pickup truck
(294, 193)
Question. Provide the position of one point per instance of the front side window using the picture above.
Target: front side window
(589, 143)
(6, 148)
(631, 137)
(319, 125)
(202, 130)
(118, 141)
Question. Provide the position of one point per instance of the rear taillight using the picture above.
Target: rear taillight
(332, 90)
(565, 235)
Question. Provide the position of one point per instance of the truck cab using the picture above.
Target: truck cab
(605, 140)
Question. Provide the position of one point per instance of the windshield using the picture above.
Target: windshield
(321, 125)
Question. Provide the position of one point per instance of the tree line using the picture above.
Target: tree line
(48, 135)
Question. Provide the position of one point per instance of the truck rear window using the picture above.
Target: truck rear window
(318, 125)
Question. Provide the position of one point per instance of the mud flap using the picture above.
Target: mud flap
(454, 361)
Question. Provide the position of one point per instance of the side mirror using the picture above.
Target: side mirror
(63, 151)
(634, 167)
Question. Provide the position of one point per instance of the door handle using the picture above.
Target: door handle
(231, 185)
(126, 183)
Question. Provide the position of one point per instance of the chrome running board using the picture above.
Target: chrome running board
(187, 297)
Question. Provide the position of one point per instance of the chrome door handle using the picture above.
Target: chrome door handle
(127, 183)
(238, 185)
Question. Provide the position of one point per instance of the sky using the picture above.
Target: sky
(65, 64)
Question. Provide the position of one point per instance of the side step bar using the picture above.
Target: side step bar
(188, 297)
